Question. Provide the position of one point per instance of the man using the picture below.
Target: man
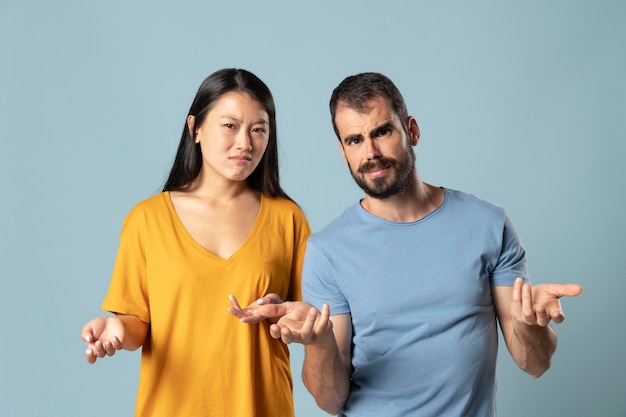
(415, 277)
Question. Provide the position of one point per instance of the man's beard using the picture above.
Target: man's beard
(385, 187)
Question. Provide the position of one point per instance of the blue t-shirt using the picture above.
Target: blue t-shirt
(419, 293)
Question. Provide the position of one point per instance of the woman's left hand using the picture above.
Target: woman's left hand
(251, 313)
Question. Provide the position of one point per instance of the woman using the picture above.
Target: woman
(222, 225)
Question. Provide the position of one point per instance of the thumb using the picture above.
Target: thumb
(86, 335)
(93, 329)
(270, 298)
(272, 310)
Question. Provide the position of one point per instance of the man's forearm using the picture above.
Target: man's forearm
(532, 348)
(326, 376)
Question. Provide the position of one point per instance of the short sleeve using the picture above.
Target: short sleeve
(512, 261)
(318, 286)
(302, 231)
(128, 293)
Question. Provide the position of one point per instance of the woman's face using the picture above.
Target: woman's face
(232, 137)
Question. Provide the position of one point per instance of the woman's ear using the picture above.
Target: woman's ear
(191, 120)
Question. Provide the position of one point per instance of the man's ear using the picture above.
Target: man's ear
(414, 130)
(191, 120)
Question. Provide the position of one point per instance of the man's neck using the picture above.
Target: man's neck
(416, 202)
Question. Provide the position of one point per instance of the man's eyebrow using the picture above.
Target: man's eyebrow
(373, 133)
(352, 137)
(385, 126)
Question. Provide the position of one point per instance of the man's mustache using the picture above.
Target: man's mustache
(376, 164)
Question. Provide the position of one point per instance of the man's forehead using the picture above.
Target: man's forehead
(374, 112)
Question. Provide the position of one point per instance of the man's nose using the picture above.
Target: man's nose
(372, 149)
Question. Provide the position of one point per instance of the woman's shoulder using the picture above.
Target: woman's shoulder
(281, 203)
(283, 208)
(150, 205)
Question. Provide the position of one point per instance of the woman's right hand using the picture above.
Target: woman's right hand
(104, 336)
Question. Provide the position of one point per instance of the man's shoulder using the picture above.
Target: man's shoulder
(467, 201)
(338, 226)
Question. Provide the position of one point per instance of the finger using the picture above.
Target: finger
(233, 302)
(562, 290)
(98, 349)
(570, 290)
(516, 300)
(86, 336)
(271, 298)
(235, 309)
(527, 304)
(262, 312)
(541, 316)
(109, 350)
(558, 316)
(286, 335)
(237, 313)
(306, 332)
(117, 343)
(324, 320)
(251, 319)
(90, 356)
(326, 310)
(556, 313)
(275, 331)
(272, 310)
(517, 291)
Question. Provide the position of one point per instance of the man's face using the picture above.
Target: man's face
(377, 147)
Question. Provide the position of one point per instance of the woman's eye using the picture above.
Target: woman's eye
(229, 125)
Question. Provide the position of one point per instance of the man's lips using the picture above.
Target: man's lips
(377, 172)
(375, 169)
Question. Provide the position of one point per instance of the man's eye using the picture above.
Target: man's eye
(229, 125)
(383, 131)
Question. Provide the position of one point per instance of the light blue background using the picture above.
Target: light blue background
(522, 103)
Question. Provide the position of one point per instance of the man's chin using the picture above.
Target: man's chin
(380, 193)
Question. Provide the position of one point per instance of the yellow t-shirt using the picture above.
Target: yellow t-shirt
(198, 359)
